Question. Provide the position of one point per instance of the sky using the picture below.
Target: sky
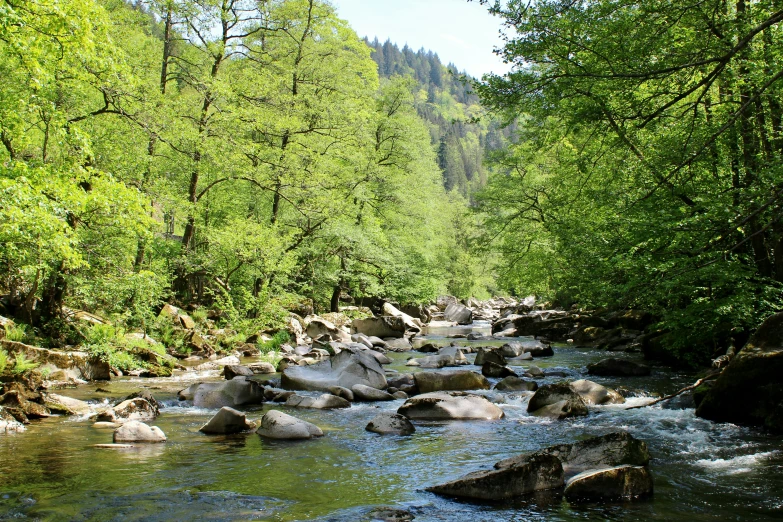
(459, 32)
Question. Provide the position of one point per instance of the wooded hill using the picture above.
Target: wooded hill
(240, 155)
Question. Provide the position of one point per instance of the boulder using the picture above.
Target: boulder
(411, 324)
(278, 425)
(428, 348)
(362, 339)
(456, 380)
(8, 422)
(324, 402)
(390, 424)
(490, 369)
(520, 348)
(137, 409)
(458, 313)
(443, 302)
(613, 367)
(147, 396)
(339, 391)
(514, 383)
(234, 370)
(380, 357)
(594, 393)
(261, 368)
(448, 406)
(345, 369)
(536, 474)
(489, 355)
(399, 345)
(22, 405)
(400, 380)
(556, 400)
(618, 483)
(317, 327)
(66, 405)
(227, 421)
(440, 361)
(236, 392)
(379, 326)
(135, 431)
(750, 389)
(366, 393)
(612, 449)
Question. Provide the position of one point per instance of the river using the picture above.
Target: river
(702, 470)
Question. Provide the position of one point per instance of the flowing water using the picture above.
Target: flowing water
(702, 471)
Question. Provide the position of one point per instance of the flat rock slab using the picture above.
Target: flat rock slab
(113, 446)
(450, 406)
(278, 425)
(538, 473)
(324, 402)
(618, 483)
(454, 380)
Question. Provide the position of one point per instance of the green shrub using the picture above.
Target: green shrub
(199, 316)
(275, 342)
(3, 360)
(21, 364)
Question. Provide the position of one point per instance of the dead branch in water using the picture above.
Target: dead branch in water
(679, 392)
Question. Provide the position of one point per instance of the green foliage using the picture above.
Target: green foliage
(22, 364)
(273, 345)
(642, 176)
(3, 360)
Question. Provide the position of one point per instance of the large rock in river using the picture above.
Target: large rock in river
(618, 483)
(750, 389)
(538, 473)
(278, 425)
(593, 393)
(135, 431)
(458, 313)
(390, 424)
(236, 392)
(556, 400)
(227, 421)
(448, 406)
(612, 449)
(347, 368)
(455, 380)
(383, 327)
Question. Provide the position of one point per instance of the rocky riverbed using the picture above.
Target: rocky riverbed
(701, 470)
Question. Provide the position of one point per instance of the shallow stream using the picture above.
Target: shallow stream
(702, 470)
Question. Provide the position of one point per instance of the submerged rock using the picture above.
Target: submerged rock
(390, 423)
(538, 473)
(514, 383)
(558, 401)
(612, 449)
(455, 380)
(324, 402)
(750, 389)
(594, 393)
(449, 405)
(227, 421)
(135, 431)
(345, 369)
(618, 483)
(613, 367)
(278, 425)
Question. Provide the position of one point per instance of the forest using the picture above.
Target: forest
(257, 158)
